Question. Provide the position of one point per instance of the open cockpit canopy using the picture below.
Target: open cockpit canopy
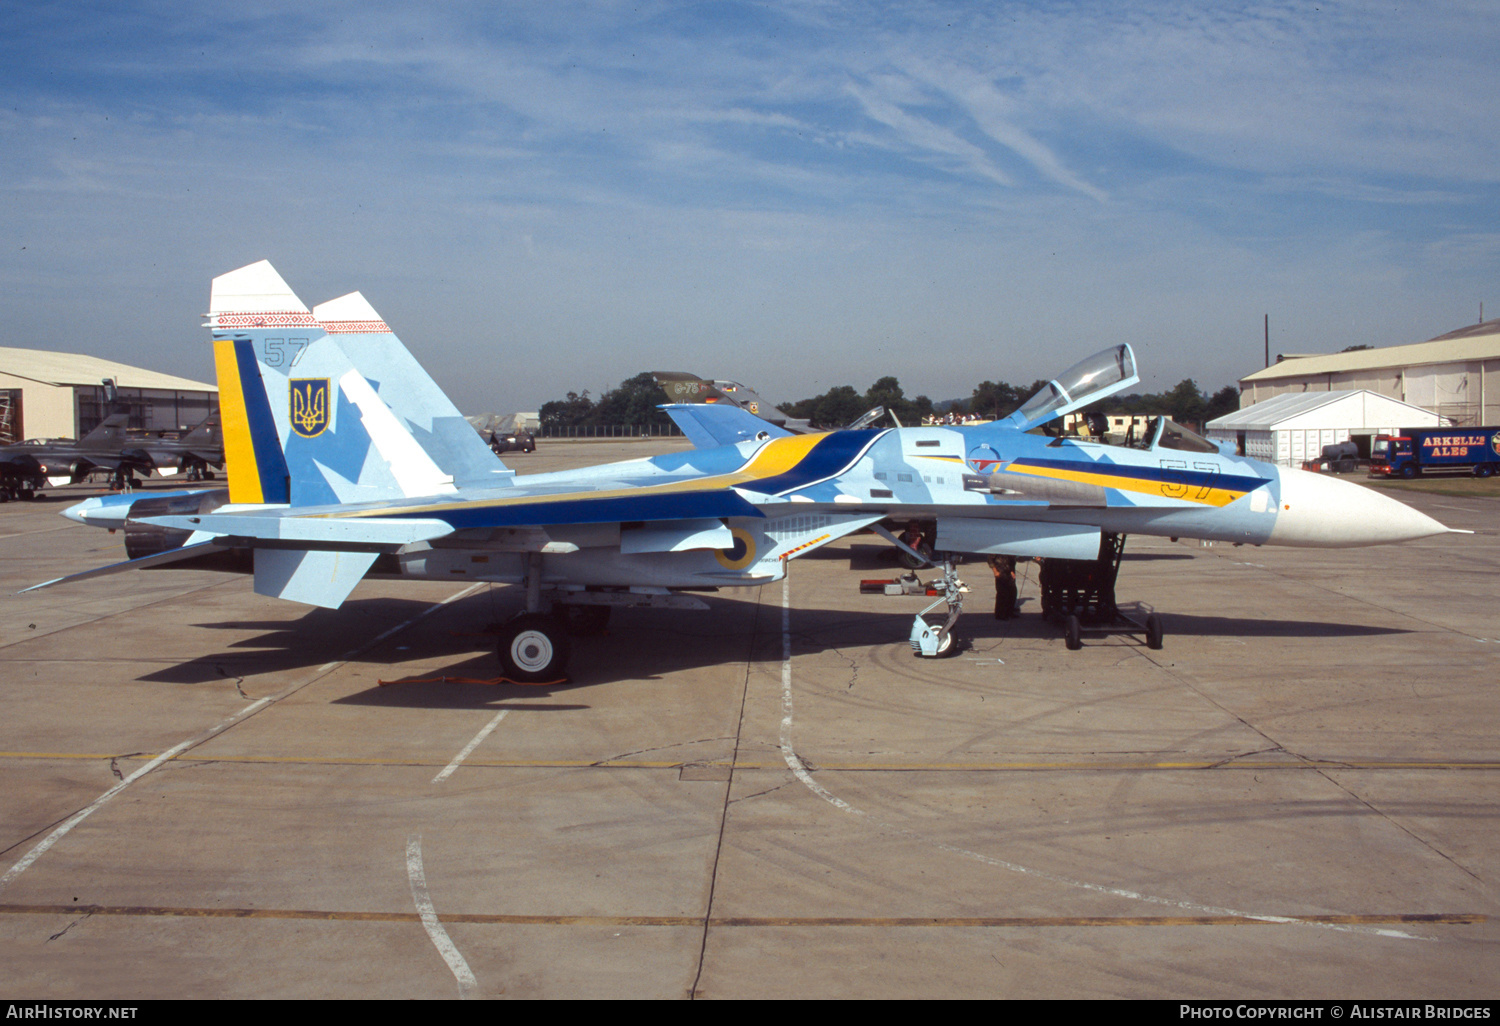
(1087, 381)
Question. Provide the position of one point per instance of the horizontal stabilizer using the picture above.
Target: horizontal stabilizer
(377, 533)
(160, 558)
(709, 426)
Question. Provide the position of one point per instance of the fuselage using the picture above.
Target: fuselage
(735, 515)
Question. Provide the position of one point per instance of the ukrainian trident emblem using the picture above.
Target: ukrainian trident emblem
(309, 406)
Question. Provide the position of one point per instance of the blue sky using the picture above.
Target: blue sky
(553, 196)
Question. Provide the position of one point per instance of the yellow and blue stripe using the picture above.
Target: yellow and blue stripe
(252, 451)
(1208, 487)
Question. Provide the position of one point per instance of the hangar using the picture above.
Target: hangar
(62, 395)
(1294, 426)
(1456, 376)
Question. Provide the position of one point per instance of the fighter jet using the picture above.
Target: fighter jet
(27, 467)
(346, 459)
(683, 389)
(194, 455)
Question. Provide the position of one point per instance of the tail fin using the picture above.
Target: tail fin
(327, 406)
(206, 433)
(110, 429)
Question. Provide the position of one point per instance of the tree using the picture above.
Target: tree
(837, 407)
(632, 403)
(994, 400)
(1225, 401)
(1185, 403)
(570, 412)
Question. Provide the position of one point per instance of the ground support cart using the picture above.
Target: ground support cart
(1079, 594)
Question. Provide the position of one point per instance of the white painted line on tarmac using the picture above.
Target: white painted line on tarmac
(212, 732)
(84, 813)
(428, 914)
(799, 769)
(484, 732)
(792, 761)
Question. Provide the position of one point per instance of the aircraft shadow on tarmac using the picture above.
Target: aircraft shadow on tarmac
(640, 644)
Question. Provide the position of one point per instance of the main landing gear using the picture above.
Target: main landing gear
(534, 647)
(534, 644)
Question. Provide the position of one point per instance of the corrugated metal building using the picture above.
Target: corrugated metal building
(1456, 376)
(1293, 427)
(61, 395)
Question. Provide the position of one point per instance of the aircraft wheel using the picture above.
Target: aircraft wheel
(585, 621)
(208, 475)
(906, 560)
(1153, 631)
(1074, 632)
(533, 648)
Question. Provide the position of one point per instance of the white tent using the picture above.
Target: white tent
(1294, 426)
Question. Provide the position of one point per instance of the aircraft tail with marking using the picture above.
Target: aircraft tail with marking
(326, 406)
(110, 429)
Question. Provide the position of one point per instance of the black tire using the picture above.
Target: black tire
(585, 621)
(1409, 471)
(533, 648)
(1074, 633)
(1484, 470)
(905, 559)
(1153, 631)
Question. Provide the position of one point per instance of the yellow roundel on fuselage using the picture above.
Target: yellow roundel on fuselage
(743, 553)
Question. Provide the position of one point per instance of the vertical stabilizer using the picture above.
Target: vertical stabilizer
(110, 430)
(246, 308)
(206, 433)
(255, 297)
(404, 386)
(326, 406)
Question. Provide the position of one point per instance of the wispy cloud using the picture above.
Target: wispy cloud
(810, 188)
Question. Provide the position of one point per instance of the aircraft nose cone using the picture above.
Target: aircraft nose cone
(1325, 512)
(79, 512)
